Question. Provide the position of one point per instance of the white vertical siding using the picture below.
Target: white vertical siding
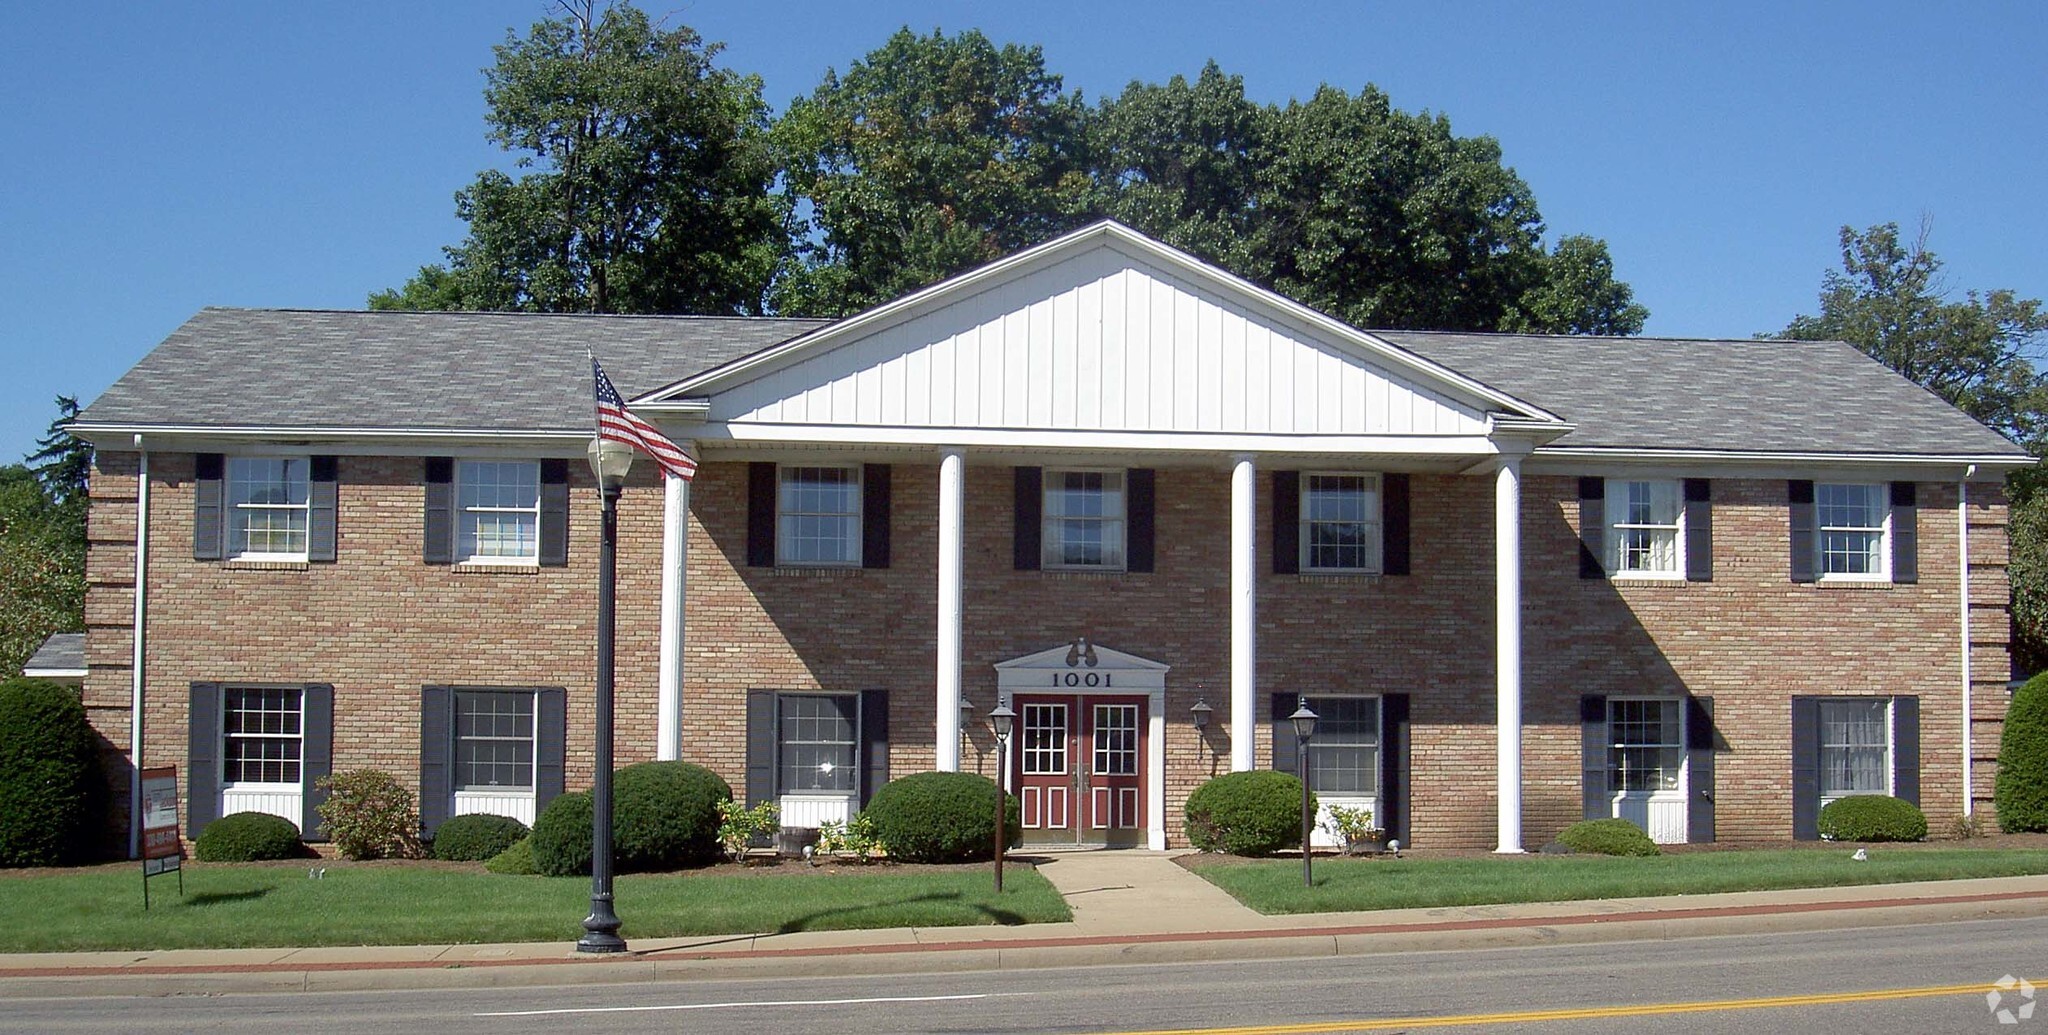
(495, 803)
(809, 810)
(278, 800)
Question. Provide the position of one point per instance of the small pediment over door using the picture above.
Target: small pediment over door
(1080, 666)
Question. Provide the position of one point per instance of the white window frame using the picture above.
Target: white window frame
(1379, 744)
(1888, 769)
(857, 514)
(295, 695)
(1052, 527)
(533, 740)
(1881, 492)
(464, 512)
(238, 507)
(1676, 746)
(1376, 542)
(784, 742)
(1617, 505)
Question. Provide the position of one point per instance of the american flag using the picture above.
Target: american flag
(619, 424)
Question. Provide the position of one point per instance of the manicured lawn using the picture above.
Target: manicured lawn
(230, 905)
(1343, 885)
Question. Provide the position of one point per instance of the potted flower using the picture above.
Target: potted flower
(1356, 828)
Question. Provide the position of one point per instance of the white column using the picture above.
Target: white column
(1244, 614)
(675, 555)
(1507, 559)
(952, 521)
(1963, 603)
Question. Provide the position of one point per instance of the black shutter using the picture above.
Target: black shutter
(1906, 749)
(439, 543)
(1799, 504)
(1027, 517)
(1286, 756)
(1286, 524)
(316, 754)
(1593, 528)
(874, 516)
(1806, 768)
(874, 743)
(1593, 798)
(1699, 530)
(551, 744)
(1139, 503)
(1394, 525)
(209, 517)
(1394, 742)
(554, 513)
(1905, 532)
(760, 515)
(321, 493)
(202, 758)
(437, 745)
(1699, 762)
(760, 746)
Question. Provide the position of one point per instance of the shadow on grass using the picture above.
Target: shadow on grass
(1001, 917)
(214, 898)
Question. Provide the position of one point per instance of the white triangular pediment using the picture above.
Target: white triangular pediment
(1080, 666)
(1103, 331)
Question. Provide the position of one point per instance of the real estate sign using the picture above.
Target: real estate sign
(161, 851)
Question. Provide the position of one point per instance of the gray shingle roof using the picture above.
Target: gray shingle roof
(524, 371)
(62, 652)
(1746, 395)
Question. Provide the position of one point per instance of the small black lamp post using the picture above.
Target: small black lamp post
(610, 461)
(1201, 712)
(1001, 719)
(1304, 728)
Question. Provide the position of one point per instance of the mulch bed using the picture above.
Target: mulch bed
(2033, 842)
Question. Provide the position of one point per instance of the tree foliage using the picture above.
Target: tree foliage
(42, 542)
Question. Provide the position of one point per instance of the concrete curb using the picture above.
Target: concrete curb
(1013, 952)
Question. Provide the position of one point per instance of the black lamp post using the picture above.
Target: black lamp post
(609, 461)
(1001, 719)
(1304, 728)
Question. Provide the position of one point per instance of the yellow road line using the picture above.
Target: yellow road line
(1586, 1013)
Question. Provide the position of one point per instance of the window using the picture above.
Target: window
(1645, 528)
(1344, 754)
(1851, 521)
(818, 517)
(267, 499)
(1855, 747)
(1645, 752)
(498, 511)
(1340, 523)
(1084, 519)
(494, 740)
(816, 743)
(261, 730)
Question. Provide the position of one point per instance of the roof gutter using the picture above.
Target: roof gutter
(136, 673)
(110, 435)
(2002, 461)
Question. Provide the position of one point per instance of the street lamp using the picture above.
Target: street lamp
(1002, 719)
(610, 461)
(1304, 728)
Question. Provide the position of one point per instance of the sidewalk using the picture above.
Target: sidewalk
(1129, 907)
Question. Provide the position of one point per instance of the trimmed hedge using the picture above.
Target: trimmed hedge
(516, 861)
(664, 816)
(1872, 817)
(2021, 792)
(51, 797)
(1249, 813)
(476, 838)
(941, 817)
(1608, 837)
(249, 837)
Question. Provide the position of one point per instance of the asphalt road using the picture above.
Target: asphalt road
(1927, 978)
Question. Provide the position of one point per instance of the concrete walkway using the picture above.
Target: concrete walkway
(1129, 907)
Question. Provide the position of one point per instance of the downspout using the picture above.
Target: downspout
(135, 662)
(1963, 611)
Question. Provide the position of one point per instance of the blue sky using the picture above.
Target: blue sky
(167, 156)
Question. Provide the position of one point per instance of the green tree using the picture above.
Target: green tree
(931, 155)
(1180, 162)
(42, 542)
(645, 183)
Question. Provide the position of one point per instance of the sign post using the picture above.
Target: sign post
(161, 850)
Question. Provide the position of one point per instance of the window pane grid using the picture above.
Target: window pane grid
(1646, 527)
(494, 747)
(500, 510)
(1644, 753)
(818, 742)
(1045, 739)
(1343, 756)
(1084, 519)
(261, 732)
(269, 496)
(819, 516)
(1850, 520)
(1855, 747)
(1116, 740)
(1340, 517)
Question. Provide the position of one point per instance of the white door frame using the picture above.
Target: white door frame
(1116, 674)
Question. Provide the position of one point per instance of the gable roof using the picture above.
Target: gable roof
(1745, 395)
(62, 656)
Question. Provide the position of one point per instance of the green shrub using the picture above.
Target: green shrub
(516, 860)
(665, 815)
(1608, 837)
(941, 817)
(51, 800)
(476, 838)
(2021, 792)
(368, 814)
(1250, 813)
(560, 842)
(249, 837)
(1872, 817)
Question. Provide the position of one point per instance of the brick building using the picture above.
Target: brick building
(1522, 580)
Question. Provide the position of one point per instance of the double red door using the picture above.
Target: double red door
(1079, 768)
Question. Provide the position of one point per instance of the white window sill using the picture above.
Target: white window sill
(1854, 582)
(1084, 573)
(495, 792)
(1339, 576)
(1648, 578)
(266, 562)
(495, 567)
(834, 571)
(263, 788)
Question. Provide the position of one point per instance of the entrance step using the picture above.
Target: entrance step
(1135, 890)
